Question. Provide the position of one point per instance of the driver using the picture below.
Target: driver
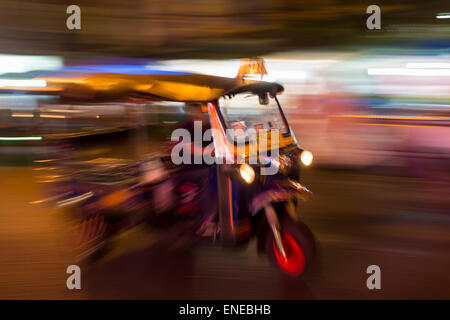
(205, 179)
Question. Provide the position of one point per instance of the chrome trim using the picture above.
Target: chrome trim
(272, 219)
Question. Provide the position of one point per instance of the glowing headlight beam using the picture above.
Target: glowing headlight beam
(20, 138)
(23, 83)
(247, 173)
(408, 72)
(76, 199)
(306, 157)
(424, 65)
(52, 116)
(443, 16)
(22, 115)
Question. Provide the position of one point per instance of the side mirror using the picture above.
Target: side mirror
(264, 99)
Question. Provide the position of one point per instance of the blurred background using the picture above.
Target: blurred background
(373, 106)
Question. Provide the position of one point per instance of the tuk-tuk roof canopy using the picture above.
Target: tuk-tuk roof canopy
(95, 82)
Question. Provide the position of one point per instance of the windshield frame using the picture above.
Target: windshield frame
(246, 141)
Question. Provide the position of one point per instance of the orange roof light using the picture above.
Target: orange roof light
(251, 66)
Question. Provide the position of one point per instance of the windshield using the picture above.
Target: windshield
(246, 115)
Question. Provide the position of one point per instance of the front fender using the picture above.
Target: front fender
(279, 192)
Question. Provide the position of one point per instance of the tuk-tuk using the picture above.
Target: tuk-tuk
(252, 168)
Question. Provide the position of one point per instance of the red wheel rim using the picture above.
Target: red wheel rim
(294, 264)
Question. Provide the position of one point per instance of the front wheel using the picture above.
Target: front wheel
(299, 246)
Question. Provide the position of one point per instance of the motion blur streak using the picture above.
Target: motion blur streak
(372, 107)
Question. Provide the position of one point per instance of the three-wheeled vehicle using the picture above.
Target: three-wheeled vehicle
(247, 184)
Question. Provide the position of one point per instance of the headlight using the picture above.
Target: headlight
(247, 173)
(306, 157)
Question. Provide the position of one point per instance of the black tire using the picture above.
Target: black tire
(302, 235)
